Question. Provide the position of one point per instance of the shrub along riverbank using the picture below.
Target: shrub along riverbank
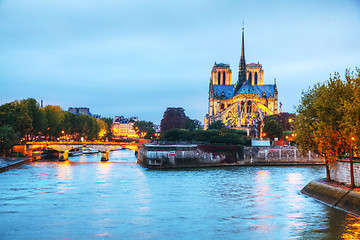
(223, 136)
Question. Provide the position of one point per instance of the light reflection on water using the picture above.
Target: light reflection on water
(85, 198)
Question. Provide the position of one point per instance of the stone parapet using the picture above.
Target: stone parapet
(278, 155)
(340, 172)
(169, 156)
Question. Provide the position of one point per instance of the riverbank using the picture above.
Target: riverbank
(244, 164)
(334, 194)
(194, 156)
(9, 163)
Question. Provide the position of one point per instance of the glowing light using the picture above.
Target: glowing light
(102, 133)
(294, 178)
(264, 172)
(353, 229)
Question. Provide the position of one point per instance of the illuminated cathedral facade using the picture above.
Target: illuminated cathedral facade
(242, 105)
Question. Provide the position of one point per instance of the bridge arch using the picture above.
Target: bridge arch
(64, 147)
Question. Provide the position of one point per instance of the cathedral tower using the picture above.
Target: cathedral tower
(255, 74)
(221, 74)
(242, 67)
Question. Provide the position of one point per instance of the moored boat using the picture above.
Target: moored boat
(75, 152)
(89, 150)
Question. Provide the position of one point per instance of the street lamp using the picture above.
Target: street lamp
(352, 185)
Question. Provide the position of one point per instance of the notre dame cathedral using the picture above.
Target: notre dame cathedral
(242, 105)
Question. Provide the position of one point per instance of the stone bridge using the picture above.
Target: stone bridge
(64, 147)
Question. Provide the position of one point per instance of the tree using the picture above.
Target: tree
(55, 117)
(144, 129)
(273, 128)
(192, 124)
(217, 125)
(88, 127)
(15, 114)
(8, 138)
(351, 120)
(326, 120)
(285, 119)
(213, 136)
(37, 116)
(108, 121)
(173, 118)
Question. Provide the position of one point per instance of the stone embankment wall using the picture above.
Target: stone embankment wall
(334, 195)
(174, 156)
(278, 155)
(168, 156)
(340, 172)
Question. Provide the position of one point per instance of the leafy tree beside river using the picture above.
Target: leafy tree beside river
(25, 120)
(328, 119)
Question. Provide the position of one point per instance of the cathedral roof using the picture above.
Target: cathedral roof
(246, 88)
(226, 89)
(260, 90)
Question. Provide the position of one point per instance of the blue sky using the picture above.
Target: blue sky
(135, 58)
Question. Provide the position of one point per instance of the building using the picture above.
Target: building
(83, 111)
(242, 105)
(122, 119)
(124, 127)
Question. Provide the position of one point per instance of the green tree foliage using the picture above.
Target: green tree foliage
(217, 125)
(70, 123)
(144, 129)
(351, 109)
(273, 128)
(328, 118)
(15, 114)
(25, 120)
(285, 119)
(37, 116)
(55, 118)
(8, 138)
(103, 129)
(192, 124)
(88, 127)
(212, 136)
(108, 121)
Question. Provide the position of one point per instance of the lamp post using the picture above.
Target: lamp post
(352, 185)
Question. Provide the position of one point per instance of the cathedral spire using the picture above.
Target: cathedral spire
(242, 66)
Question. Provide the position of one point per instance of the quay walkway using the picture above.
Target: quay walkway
(9, 163)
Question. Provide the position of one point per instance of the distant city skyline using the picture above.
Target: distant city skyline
(136, 58)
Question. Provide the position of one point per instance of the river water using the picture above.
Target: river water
(84, 198)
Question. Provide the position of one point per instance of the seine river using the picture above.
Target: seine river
(84, 198)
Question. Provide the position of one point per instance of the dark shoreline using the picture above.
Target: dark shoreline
(238, 164)
(334, 194)
(15, 162)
